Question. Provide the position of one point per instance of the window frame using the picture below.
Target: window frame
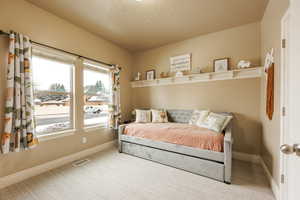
(76, 109)
(96, 67)
(57, 56)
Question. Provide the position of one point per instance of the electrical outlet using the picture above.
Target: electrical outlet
(84, 140)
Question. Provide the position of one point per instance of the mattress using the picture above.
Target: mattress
(178, 133)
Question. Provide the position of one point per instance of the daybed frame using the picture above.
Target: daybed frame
(212, 164)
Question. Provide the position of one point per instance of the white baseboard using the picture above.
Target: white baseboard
(30, 172)
(273, 184)
(258, 160)
(253, 158)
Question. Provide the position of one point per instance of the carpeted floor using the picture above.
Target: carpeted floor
(114, 176)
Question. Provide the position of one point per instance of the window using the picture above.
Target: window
(52, 84)
(97, 95)
(53, 81)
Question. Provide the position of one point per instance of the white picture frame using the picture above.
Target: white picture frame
(150, 74)
(180, 63)
(221, 65)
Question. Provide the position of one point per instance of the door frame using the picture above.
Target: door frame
(283, 184)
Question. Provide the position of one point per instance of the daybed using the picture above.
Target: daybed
(213, 161)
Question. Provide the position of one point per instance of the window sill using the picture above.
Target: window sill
(56, 135)
(94, 128)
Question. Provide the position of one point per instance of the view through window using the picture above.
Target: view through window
(96, 96)
(52, 83)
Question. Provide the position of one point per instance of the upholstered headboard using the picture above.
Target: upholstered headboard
(184, 116)
(179, 116)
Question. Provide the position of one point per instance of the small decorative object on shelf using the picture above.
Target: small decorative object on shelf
(195, 70)
(150, 74)
(164, 75)
(244, 64)
(221, 65)
(138, 77)
(179, 74)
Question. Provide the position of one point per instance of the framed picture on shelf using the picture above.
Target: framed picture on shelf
(181, 63)
(221, 65)
(150, 74)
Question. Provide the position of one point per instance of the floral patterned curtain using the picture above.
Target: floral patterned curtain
(18, 132)
(115, 106)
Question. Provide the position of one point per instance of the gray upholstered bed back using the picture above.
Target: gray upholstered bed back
(179, 116)
(183, 116)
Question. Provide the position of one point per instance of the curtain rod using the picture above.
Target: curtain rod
(74, 54)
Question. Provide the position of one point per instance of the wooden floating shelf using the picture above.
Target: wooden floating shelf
(204, 77)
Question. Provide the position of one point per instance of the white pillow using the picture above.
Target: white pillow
(198, 115)
(228, 119)
(143, 116)
(159, 116)
(215, 122)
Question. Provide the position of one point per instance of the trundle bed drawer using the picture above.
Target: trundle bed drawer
(192, 164)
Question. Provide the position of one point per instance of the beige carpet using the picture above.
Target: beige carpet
(114, 176)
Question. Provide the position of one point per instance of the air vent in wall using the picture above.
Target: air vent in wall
(79, 163)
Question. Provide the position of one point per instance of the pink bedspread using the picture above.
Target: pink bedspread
(182, 134)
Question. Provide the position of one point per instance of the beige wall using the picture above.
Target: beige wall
(242, 97)
(271, 38)
(44, 27)
(237, 43)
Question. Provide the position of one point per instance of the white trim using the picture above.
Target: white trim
(282, 192)
(56, 135)
(30, 172)
(57, 55)
(92, 128)
(256, 159)
(95, 65)
(273, 184)
(256, 72)
(253, 158)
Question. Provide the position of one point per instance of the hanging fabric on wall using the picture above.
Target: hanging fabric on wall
(19, 132)
(115, 106)
(269, 69)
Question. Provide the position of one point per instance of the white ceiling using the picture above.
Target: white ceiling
(152, 23)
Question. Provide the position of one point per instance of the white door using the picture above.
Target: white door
(291, 132)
